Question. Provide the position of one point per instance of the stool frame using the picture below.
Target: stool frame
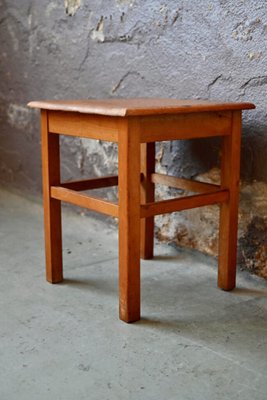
(136, 136)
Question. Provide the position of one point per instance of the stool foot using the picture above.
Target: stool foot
(227, 247)
(227, 288)
(53, 240)
(129, 317)
(55, 281)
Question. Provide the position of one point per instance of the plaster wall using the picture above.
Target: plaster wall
(133, 48)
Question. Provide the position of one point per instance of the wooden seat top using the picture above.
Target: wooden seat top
(138, 106)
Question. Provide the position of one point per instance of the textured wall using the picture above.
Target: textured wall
(187, 49)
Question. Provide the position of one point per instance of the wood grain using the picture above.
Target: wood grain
(83, 125)
(82, 200)
(138, 106)
(136, 124)
(230, 172)
(185, 126)
(52, 207)
(129, 220)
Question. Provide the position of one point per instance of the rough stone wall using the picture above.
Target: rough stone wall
(115, 48)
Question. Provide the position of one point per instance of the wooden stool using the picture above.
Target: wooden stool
(136, 124)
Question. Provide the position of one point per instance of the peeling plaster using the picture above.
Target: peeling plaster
(254, 55)
(98, 33)
(112, 28)
(128, 3)
(71, 6)
(244, 30)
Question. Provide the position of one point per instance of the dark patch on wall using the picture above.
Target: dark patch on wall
(253, 247)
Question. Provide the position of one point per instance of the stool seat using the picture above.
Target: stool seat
(137, 107)
(136, 124)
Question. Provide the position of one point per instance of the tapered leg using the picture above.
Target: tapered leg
(52, 207)
(129, 221)
(230, 171)
(147, 195)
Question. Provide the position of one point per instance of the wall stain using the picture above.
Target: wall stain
(253, 247)
(19, 116)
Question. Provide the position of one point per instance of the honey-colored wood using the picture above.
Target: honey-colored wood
(83, 125)
(138, 106)
(89, 184)
(182, 183)
(52, 207)
(82, 200)
(183, 203)
(136, 124)
(230, 171)
(129, 221)
(147, 196)
(185, 126)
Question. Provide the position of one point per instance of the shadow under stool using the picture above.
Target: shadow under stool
(136, 124)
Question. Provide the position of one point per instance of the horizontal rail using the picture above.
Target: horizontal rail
(182, 183)
(90, 126)
(89, 184)
(82, 200)
(183, 203)
(185, 126)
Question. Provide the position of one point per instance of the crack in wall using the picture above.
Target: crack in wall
(123, 78)
(255, 81)
(214, 81)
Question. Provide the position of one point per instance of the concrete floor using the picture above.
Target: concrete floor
(66, 342)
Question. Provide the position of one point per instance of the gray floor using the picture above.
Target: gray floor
(66, 342)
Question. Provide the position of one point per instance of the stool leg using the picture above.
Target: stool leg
(147, 195)
(230, 171)
(52, 207)
(129, 221)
